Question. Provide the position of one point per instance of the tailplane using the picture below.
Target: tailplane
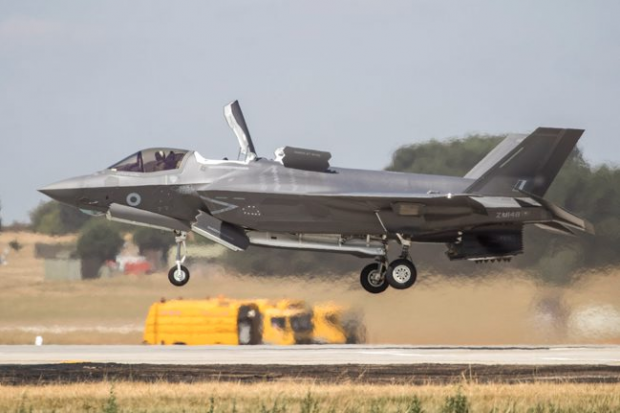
(524, 164)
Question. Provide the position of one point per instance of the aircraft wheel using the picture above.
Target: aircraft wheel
(178, 278)
(401, 274)
(373, 280)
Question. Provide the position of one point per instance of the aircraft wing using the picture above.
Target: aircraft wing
(556, 218)
(370, 201)
(404, 204)
(539, 211)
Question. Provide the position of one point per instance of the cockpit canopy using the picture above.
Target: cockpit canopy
(151, 160)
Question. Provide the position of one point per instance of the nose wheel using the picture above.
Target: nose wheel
(179, 274)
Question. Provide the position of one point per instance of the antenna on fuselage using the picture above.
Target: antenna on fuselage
(236, 121)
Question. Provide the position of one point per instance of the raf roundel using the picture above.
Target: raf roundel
(134, 199)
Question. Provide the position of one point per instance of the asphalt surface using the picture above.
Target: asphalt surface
(313, 355)
(410, 374)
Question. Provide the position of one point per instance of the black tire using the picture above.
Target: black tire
(401, 274)
(368, 279)
(177, 281)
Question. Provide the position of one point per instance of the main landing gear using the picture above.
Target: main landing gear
(179, 274)
(399, 274)
(373, 278)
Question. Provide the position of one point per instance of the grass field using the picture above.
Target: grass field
(310, 398)
(507, 308)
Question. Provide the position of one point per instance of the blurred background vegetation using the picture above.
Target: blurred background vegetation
(590, 191)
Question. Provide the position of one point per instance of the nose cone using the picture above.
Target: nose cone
(66, 191)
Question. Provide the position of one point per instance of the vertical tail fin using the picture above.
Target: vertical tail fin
(497, 154)
(524, 164)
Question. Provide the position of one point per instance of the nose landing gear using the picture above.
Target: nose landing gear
(179, 274)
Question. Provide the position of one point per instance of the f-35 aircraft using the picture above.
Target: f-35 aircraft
(299, 201)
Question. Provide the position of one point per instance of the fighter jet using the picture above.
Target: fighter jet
(298, 200)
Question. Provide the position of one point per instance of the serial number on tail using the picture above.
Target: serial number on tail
(510, 214)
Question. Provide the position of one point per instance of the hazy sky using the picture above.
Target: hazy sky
(83, 83)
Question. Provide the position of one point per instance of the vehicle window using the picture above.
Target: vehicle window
(332, 319)
(278, 322)
(151, 160)
(302, 322)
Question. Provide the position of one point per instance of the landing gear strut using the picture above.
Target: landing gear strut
(179, 274)
(399, 274)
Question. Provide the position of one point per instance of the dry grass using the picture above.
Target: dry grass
(308, 398)
(504, 309)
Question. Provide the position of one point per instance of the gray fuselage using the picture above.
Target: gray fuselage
(263, 195)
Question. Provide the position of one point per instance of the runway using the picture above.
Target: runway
(313, 355)
(412, 365)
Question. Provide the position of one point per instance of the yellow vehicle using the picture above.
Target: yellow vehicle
(335, 324)
(285, 322)
(200, 322)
